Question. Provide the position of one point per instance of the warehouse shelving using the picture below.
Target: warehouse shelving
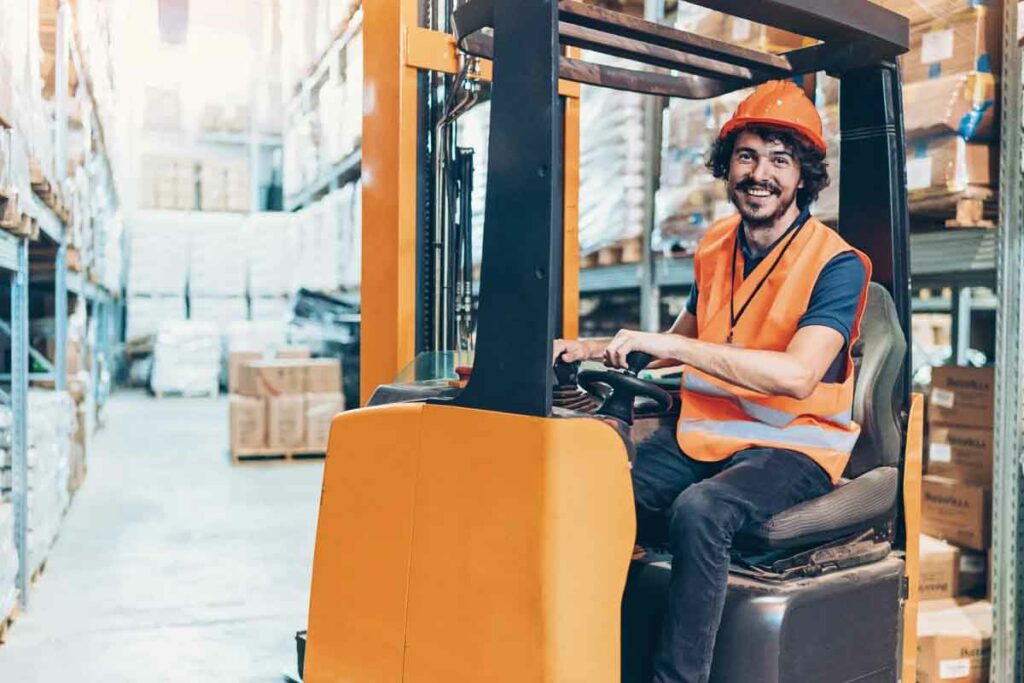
(303, 100)
(345, 171)
(52, 246)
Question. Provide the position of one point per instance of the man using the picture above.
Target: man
(767, 383)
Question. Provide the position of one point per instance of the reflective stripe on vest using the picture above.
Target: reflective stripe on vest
(718, 418)
(796, 437)
(761, 413)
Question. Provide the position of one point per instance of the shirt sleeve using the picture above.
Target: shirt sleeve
(691, 302)
(836, 295)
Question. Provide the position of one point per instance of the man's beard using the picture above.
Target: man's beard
(759, 219)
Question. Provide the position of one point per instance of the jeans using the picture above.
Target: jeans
(697, 507)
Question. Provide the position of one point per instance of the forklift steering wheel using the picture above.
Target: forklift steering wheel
(625, 388)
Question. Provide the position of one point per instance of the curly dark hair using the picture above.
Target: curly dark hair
(813, 167)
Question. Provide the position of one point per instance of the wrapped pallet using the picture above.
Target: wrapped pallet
(269, 242)
(186, 359)
(8, 561)
(159, 253)
(52, 421)
(147, 313)
(217, 267)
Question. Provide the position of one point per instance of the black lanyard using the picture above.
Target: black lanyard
(734, 317)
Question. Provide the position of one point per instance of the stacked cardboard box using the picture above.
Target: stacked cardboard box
(224, 186)
(957, 487)
(953, 641)
(167, 183)
(953, 632)
(950, 95)
(285, 404)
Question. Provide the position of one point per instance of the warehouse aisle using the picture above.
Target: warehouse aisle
(172, 565)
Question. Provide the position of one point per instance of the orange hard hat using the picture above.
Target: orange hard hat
(782, 104)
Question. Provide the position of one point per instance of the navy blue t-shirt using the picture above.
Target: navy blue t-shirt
(834, 298)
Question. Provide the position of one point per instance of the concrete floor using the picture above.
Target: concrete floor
(172, 564)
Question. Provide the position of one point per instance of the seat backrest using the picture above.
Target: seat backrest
(878, 361)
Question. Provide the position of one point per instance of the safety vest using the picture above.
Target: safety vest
(718, 418)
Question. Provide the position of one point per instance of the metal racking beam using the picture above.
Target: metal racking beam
(1007, 502)
(19, 409)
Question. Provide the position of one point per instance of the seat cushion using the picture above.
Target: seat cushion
(853, 506)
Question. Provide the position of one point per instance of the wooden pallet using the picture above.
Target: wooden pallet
(209, 393)
(275, 454)
(7, 622)
(624, 251)
(973, 208)
(10, 216)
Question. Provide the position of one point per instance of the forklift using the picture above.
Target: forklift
(483, 530)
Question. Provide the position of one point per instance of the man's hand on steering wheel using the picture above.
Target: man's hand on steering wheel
(626, 341)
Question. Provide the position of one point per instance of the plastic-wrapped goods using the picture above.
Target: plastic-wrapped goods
(218, 311)
(271, 309)
(146, 314)
(611, 164)
(341, 106)
(474, 130)
(269, 240)
(186, 359)
(347, 208)
(159, 253)
(255, 335)
(52, 421)
(8, 560)
(317, 246)
(217, 266)
(112, 254)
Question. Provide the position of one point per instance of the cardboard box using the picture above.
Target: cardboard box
(949, 164)
(956, 512)
(965, 104)
(961, 453)
(247, 422)
(968, 40)
(320, 412)
(939, 569)
(922, 11)
(953, 641)
(286, 421)
(962, 396)
(323, 376)
(292, 352)
(236, 359)
(270, 378)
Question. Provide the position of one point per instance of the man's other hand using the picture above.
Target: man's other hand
(572, 350)
(626, 341)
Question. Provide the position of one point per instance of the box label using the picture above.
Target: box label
(919, 173)
(942, 397)
(940, 452)
(936, 46)
(954, 668)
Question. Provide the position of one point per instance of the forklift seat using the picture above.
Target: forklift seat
(866, 499)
